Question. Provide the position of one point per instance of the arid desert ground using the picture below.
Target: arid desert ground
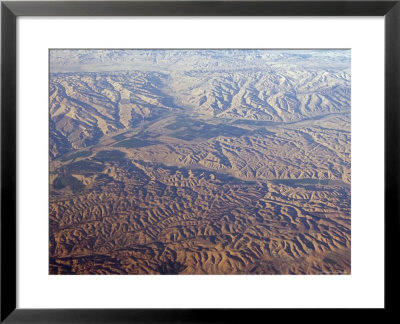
(199, 162)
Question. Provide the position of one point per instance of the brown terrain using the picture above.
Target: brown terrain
(202, 165)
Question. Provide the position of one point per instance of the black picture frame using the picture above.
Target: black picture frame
(10, 10)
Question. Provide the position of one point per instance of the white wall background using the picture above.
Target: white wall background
(363, 288)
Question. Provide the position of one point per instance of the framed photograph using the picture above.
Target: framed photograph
(186, 161)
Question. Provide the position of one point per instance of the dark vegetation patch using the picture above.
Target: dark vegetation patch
(134, 142)
(85, 264)
(171, 267)
(95, 167)
(76, 155)
(58, 183)
(110, 156)
(330, 261)
(83, 167)
(189, 129)
(68, 181)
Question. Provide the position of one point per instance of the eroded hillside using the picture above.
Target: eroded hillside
(203, 166)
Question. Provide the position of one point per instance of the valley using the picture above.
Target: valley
(199, 162)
